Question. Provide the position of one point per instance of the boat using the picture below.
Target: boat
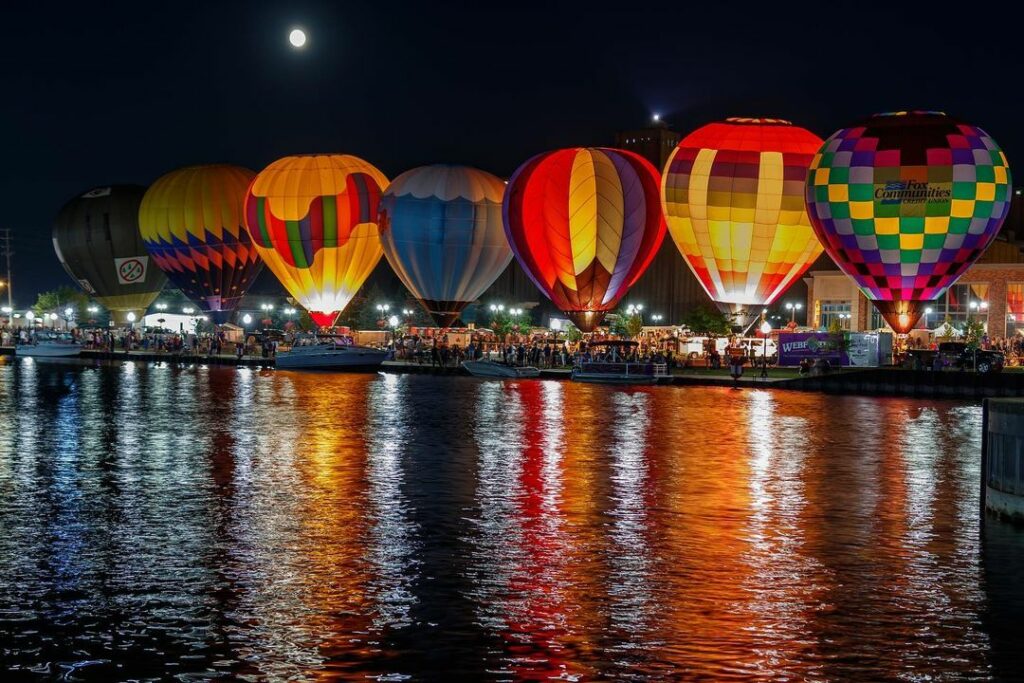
(613, 368)
(50, 346)
(488, 368)
(329, 352)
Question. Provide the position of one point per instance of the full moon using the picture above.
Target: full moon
(297, 37)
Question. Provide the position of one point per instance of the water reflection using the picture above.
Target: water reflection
(162, 521)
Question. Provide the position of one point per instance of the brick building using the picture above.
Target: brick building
(991, 291)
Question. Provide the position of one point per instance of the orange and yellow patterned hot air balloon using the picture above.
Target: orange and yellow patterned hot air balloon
(313, 219)
(732, 193)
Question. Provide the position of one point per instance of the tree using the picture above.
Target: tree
(56, 300)
(707, 320)
(974, 330)
(627, 325)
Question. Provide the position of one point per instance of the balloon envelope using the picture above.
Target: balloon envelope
(442, 234)
(191, 222)
(904, 203)
(313, 219)
(584, 223)
(733, 196)
(96, 237)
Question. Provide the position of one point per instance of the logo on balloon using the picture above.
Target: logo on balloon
(131, 270)
(913, 192)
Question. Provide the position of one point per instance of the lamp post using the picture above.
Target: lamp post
(766, 329)
(793, 308)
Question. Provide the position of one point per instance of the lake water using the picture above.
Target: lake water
(160, 521)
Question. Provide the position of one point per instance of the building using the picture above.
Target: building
(654, 143)
(991, 291)
(669, 287)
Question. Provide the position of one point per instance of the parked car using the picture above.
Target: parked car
(962, 357)
(957, 355)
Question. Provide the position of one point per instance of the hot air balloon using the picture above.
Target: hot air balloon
(584, 223)
(443, 236)
(733, 196)
(313, 219)
(191, 222)
(96, 237)
(904, 203)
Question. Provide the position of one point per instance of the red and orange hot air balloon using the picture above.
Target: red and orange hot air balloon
(733, 195)
(584, 223)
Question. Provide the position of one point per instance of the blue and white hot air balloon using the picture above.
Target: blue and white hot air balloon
(442, 232)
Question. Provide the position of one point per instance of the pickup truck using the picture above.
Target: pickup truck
(960, 356)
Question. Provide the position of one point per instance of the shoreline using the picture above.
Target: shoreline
(865, 382)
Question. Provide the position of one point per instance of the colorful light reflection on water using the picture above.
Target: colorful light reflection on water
(162, 521)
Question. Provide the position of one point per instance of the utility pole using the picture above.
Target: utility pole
(5, 240)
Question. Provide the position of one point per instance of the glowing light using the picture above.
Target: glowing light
(246, 319)
(393, 321)
(766, 328)
(297, 37)
(130, 317)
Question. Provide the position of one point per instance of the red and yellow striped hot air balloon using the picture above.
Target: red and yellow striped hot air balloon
(733, 199)
(584, 223)
(313, 219)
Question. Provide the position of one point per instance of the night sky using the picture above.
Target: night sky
(101, 93)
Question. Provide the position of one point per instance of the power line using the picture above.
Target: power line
(5, 240)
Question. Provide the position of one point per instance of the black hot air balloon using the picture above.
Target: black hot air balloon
(96, 237)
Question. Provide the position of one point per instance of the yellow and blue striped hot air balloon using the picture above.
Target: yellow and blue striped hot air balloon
(191, 223)
(313, 219)
(443, 236)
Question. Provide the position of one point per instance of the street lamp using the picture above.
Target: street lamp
(246, 319)
(766, 329)
(657, 317)
(161, 306)
(188, 310)
(793, 308)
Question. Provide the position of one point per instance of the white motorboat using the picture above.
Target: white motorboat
(488, 368)
(329, 353)
(50, 346)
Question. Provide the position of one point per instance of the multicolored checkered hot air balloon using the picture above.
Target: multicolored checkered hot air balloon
(191, 223)
(584, 223)
(313, 219)
(443, 236)
(733, 196)
(904, 203)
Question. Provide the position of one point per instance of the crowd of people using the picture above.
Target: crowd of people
(520, 350)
